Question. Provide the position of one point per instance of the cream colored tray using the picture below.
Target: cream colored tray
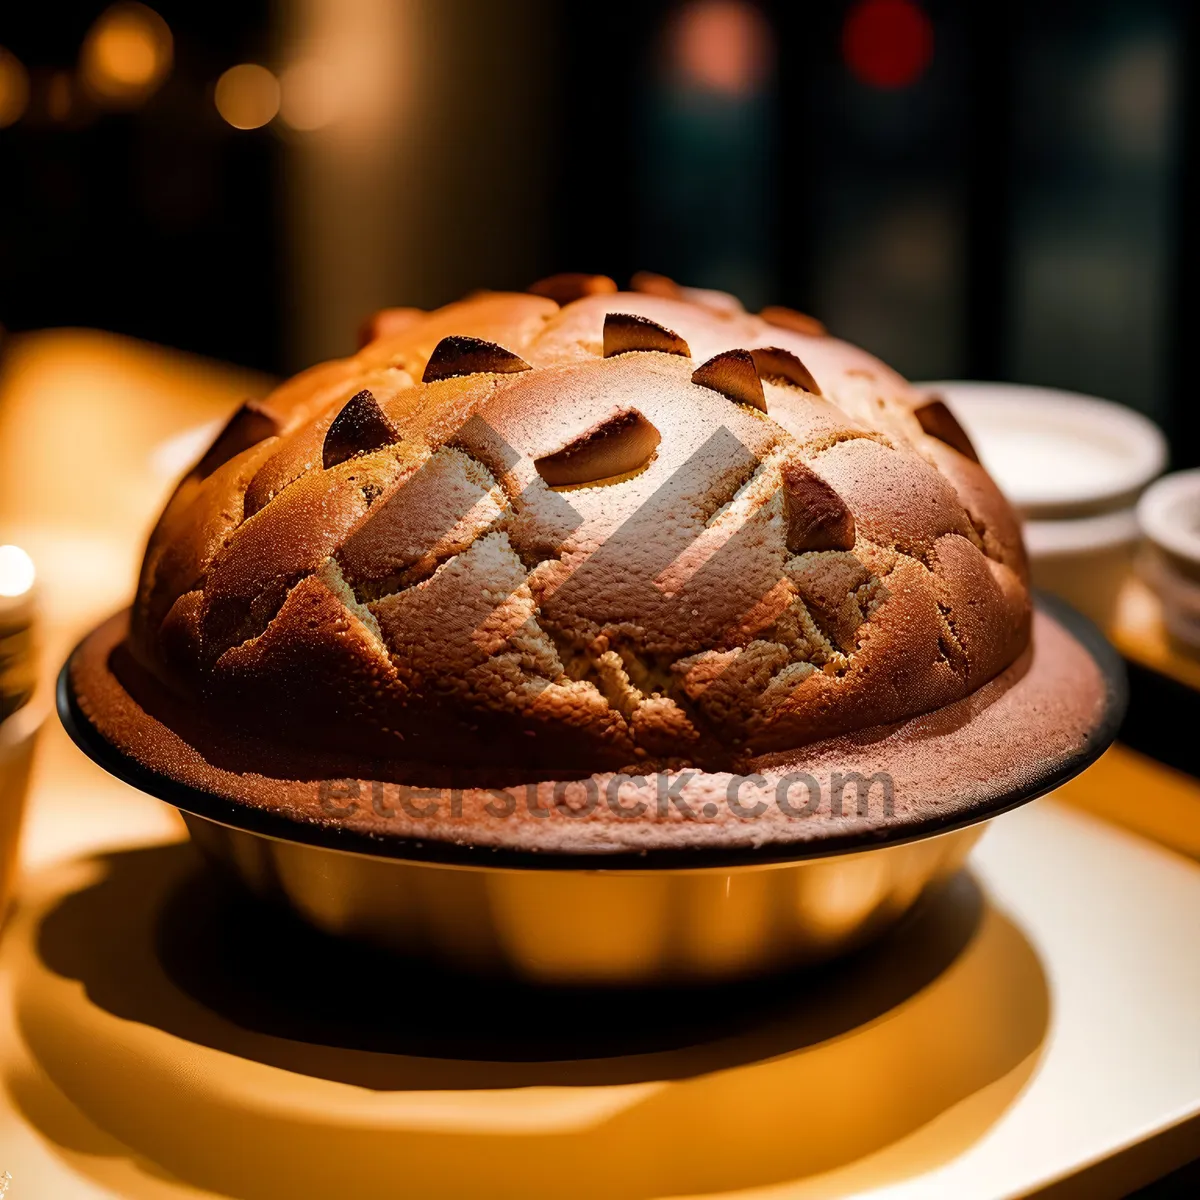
(1040, 1027)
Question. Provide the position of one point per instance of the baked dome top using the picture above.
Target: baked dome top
(582, 530)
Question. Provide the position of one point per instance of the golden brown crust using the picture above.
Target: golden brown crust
(571, 285)
(535, 557)
(789, 318)
(956, 764)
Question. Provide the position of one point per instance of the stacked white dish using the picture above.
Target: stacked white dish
(1169, 513)
(1074, 467)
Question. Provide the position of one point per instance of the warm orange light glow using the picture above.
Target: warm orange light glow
(58, 96)
(247, 96)
(127, 54)
(723, 46)
(312, 98)
(14, 88)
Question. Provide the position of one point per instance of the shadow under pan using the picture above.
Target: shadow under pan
(217, 1038)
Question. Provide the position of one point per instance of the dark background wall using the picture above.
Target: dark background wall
(985, 190)
(157, 222)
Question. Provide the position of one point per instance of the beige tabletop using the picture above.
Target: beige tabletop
(1139, 632)
(1125, 786)
(1036, 1032)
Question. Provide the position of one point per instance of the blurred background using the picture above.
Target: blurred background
(993, 191)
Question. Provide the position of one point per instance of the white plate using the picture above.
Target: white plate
(1057, 454)
(1169, 514)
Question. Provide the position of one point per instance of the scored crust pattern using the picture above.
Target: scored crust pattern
(578, 530)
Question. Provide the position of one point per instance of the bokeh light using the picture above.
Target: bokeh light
(127, 54)
(247, 96)
(14, 88)
(887, 43)
(723, 46)
(311, 95)
(16, 571)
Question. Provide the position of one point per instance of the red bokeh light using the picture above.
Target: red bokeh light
(887, 43)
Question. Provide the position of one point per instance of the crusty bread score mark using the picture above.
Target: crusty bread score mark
(790, 318)
(734, 374)
(817, 517)
(738, 374)
(939, 422)
(251, 424)
(572, 285)
(777, 365)
(621, 444)
(650, 283)
(459, 354)
(360, 427)
(626, 332)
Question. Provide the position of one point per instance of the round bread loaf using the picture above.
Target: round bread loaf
(581, 530)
